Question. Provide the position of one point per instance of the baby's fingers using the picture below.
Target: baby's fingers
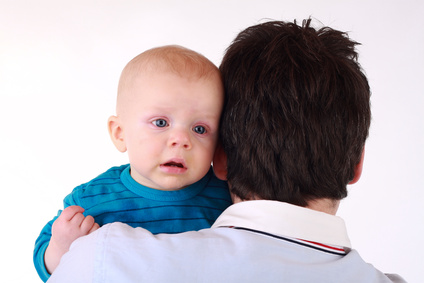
(87, 224)
(94, 228)
(69, 212)
(77, 220)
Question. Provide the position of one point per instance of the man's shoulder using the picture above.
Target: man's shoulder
(148, 256)
(361, 268)
(395, 278)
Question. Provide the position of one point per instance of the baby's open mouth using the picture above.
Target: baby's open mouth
(174, 164)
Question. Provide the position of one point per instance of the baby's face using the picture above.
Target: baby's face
(170, 126)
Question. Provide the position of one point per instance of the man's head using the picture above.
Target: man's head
(296, 113)
(168, 109)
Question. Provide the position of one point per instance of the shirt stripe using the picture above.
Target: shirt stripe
(309, 244)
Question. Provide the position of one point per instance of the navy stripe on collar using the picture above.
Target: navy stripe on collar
(316, 246)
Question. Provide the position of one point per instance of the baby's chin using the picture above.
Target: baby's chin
(172, 183)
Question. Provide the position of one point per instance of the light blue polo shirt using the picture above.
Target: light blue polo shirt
(252, 241)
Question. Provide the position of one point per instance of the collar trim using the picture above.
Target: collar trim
(316, 246)
(288, 221)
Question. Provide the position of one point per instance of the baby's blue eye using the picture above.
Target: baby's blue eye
(199, 130)
(160, 123)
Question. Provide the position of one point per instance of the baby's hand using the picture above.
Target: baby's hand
(70, 225)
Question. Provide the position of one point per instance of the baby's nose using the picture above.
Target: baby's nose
(180, 138)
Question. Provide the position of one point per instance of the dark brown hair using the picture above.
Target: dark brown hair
(296, 114)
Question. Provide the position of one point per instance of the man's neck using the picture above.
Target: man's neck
(326, 205)
(329, 206)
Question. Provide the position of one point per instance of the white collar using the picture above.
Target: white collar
(283, 219)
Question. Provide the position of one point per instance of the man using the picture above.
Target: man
(295, 121)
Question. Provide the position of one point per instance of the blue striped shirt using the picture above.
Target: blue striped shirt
(115, 196)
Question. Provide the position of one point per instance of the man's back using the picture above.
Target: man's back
(119, 253)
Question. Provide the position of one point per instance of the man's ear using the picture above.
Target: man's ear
(116, 133)
(220, 163)
(358, 169)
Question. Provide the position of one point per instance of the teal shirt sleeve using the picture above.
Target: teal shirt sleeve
(40, 248)
(115, 196)
(43, 239)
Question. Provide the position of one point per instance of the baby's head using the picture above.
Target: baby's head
(168, 109)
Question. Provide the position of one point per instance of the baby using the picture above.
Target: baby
(167, 117)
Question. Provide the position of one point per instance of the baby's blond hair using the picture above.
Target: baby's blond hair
(170, 58)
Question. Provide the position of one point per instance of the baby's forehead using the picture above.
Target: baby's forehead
(174, 96)
(142, 72)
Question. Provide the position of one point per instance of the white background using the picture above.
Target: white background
(59, 66)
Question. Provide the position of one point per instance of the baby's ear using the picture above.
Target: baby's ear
(116, 133)
(220, 163)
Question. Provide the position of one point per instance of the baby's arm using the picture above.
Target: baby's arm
(70, 225)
